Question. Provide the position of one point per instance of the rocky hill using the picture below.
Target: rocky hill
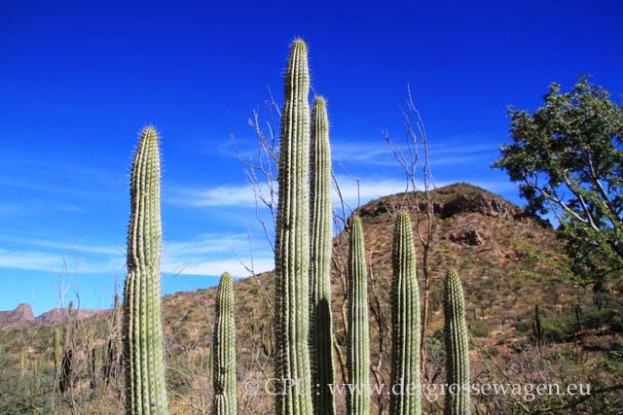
(509, 262)
(17, 318)
(23, 316)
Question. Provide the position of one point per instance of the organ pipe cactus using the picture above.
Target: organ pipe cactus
(224, 351)
(321, 222)
(144, 360)
(405, 397)
(537, 327)
(457, 358)
(58, 353)
(358, 397)
(292, 241)
(112, 356)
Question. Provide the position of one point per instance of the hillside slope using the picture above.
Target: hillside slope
(508, 261)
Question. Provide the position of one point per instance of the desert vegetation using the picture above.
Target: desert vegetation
(489, 322)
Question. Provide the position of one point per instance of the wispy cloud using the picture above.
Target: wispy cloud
(36, 254)
(225, 195)
(379, 153)
(357, 191)
(208, 254)
(213, 254)
(216, 267)
(55, 262)
(448, 151)
(243, 196)
(62, 246)
(30, 260)
(57, 177)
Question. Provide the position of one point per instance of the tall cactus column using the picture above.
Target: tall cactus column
(144, 358)
(321, 340)
(224, 347)
(457, 357)
(405, 397)
(358, 397)
(292, 240)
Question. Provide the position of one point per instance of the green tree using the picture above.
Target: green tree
(568, 158)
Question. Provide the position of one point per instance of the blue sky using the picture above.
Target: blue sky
(80, 79)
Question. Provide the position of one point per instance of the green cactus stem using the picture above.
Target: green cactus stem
(144, 367)
(537, 328)
(112, 356)
(321, 222)
(58, 353)
(292, 241)
(23, 362)
(224, 349)
(358, 396)
(456, 342)
(95, 367)
(405, 396)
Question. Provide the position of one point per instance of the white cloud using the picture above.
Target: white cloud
(208, 254)
(36, 260)
(30, 260)
(217, 267)
(377, 154)
(63, 246)
(243, 196)
(449, 151)
(356, 191)
(226, 195)
(213, 254)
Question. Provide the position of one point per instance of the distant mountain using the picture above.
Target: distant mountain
(23, 316)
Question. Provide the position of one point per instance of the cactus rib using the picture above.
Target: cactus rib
(145, 377)
(292, 240)
(358, 397)
(456, 343)
(224, 349)
(321, 237)
(405, 397)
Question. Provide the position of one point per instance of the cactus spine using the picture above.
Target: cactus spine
(292, 240)
(145, 380)
(358, 397)
(457, 360)
(321, 221)
(224, 349)
(405, 400)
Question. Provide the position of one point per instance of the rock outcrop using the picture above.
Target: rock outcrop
(23, 316)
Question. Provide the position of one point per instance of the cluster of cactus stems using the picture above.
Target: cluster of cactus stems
(144, 358)
(303, 322)
(225, 400)
(358, 397)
